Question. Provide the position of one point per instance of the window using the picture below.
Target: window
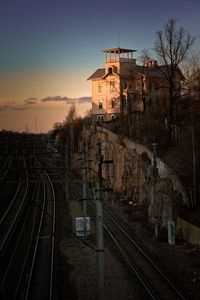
(100, 104)
(100, 118)
(113, 102)
(110, 70)
(99, 88)
(112, 86)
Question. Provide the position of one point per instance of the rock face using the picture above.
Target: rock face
(131, 174)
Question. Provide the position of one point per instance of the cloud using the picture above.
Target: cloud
(30, 101)
(67, 100)
(55, 99)
(9, 107)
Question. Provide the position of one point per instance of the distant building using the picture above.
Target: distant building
(123, 85)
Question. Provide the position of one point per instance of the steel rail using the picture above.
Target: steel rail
(8, 162)
(141, 251)
(27, 253)
(133, 266)
(11, 203)
(38, 238)
(151, 292)
(144, 254)
(53, 235)
(53, 231)
(14, 252)
(4, 239)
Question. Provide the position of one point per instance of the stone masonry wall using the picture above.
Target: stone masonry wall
(130, 174)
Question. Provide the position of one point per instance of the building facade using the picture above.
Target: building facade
(123, 85)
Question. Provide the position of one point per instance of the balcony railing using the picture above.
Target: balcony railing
(121, 59)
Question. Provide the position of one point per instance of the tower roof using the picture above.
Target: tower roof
(119, 55)
(118, 50)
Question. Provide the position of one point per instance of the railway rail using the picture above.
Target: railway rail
(10, 217)
(40, 281)
(154, 284)
(5, 166)
(28, 231)
(10, 231)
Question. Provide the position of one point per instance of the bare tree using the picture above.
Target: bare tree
(191, 69)
(144, 59)
(68, 131)
(72, 114)
(172, 46)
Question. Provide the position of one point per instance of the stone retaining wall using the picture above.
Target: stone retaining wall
(130, 174)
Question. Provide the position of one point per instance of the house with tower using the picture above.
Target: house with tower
(123, 85)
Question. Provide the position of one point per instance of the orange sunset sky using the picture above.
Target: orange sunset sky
(50, 47)
(47, 104)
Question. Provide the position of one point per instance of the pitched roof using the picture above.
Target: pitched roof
(149, 71)
(99, 73)
(155, 72)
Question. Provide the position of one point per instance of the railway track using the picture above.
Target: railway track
(153, 283)
(11, 215)
(11, 232)
(5, 166)
(40, 274)
(11, 184)
(27, 241)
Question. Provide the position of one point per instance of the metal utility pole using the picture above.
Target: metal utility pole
(155, 175)
(193, 155)
(66, 164)
(36, 124)
(100, 242)
(71, 132)
(84, 189)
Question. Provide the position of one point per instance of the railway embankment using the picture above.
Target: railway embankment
(132, 175)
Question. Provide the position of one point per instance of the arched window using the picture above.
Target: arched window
(100, 104)
(110, 71)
